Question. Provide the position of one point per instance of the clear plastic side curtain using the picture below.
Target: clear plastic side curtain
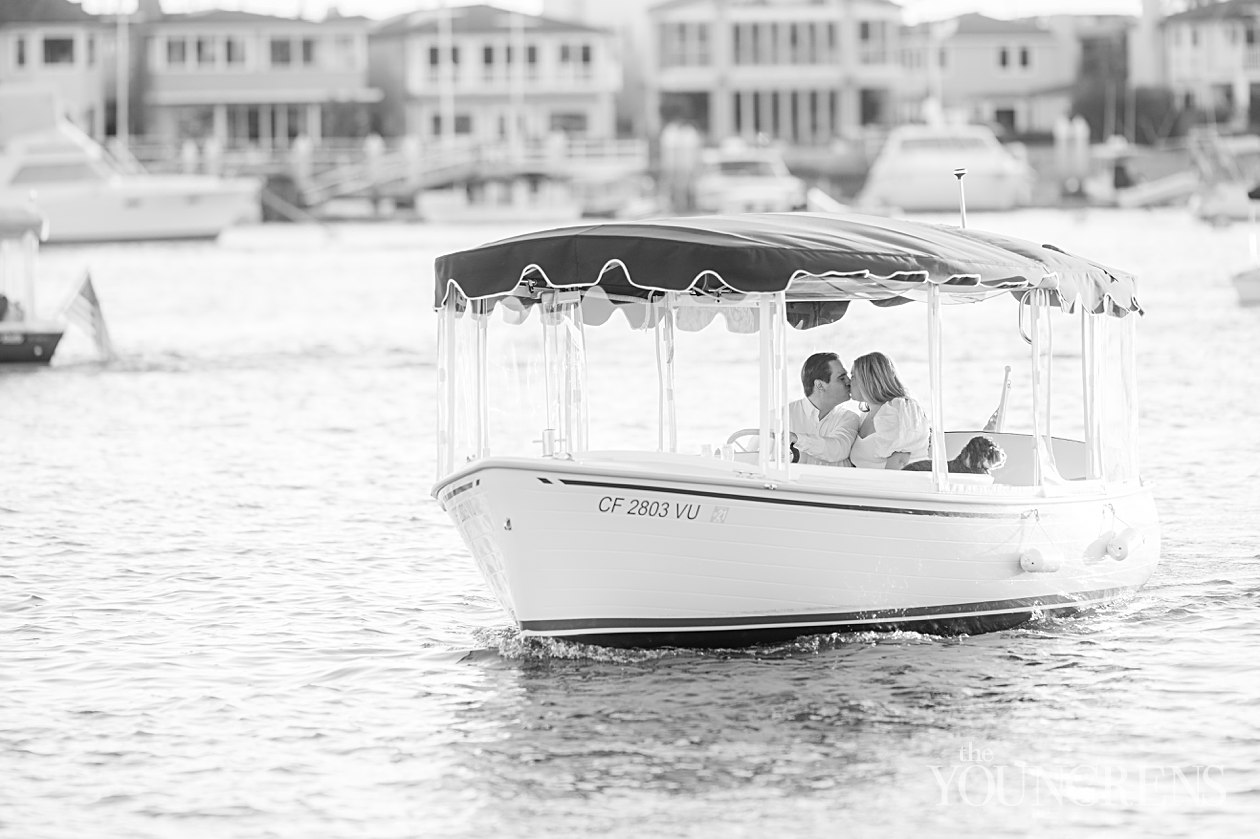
(463, 432)
(1092, 392)
(935, 363)
(1044, 469)
(1115, 396)
(564, 351)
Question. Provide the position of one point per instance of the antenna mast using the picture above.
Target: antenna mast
(959, 173)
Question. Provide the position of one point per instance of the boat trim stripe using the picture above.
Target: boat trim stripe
(797, 502)
(882, 616)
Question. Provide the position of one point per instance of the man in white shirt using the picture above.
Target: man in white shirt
(822, 431)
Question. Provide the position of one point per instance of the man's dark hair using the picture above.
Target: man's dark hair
(817, 368)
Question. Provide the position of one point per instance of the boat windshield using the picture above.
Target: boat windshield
(943, 143)
(747, 169)
(51, 173)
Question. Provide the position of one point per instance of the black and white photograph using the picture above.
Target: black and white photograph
(629, 418)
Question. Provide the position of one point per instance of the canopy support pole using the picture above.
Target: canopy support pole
(446, 389)
(940, 469)
(482, 319)
(1044, 469)
(773, 457)
(667, 433)
(1089, 374)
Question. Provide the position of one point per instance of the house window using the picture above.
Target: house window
(531, 62)
(1024, 57)
(20, 56)
(176, 52)
(309, 54)
(463, 124)
(343, 46)
(235, 49)
(206, 52)
(566, 53)
(91, 50)
(569, 123)
(281, 52)
(59, 50)
(1003, 57)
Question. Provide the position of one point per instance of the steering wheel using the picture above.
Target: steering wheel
(741, 445)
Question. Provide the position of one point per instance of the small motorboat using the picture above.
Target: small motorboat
(739, 178)
(714, 546)
(912, 169)
(25, 338)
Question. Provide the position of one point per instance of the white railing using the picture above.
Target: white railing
(335, 169)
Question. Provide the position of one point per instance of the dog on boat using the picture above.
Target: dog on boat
(979, 457)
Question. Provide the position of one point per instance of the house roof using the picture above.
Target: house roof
(43, 11)
(976, 24)
(1227, 10)
(219, 17)
(477, 20)
(672, 4)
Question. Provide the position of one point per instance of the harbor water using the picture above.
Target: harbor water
(230, 608)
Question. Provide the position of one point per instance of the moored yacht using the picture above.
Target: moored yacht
(87, 197)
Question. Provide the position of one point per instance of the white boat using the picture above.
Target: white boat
(25, 337)
(88, 197)
(737, 178)
(657, 547)
(912, 170)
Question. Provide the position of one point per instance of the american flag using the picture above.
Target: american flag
(84, 309)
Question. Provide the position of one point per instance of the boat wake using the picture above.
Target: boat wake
(508, 643)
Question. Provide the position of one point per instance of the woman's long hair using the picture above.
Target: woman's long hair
(879, 378)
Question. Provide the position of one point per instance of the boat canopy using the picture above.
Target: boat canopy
(820, 261)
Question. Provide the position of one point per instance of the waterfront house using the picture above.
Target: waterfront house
(628, 19)
(1212, 60)
(253, 80)
(486, 74)
(1016, 74)
(55, 45)
(798, 71)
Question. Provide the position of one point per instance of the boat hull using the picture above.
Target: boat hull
(658, 557)
(150, 207)
(28, 346)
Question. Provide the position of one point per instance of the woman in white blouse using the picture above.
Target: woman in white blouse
(894, 423)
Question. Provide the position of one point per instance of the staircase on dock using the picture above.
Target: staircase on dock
(403, 171)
